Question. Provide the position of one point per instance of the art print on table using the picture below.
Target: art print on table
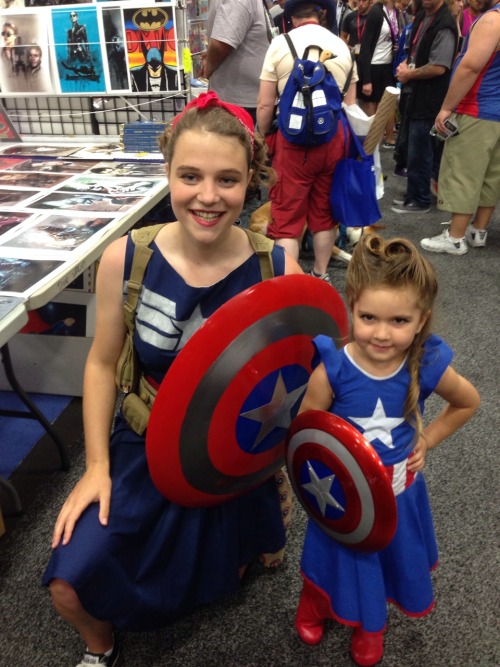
(116, 70)
(35, 149)
(56, 232)
(152, 48)
(85, 202)
(19, 275)
(32, 180)
(11, 219)
(111, 186)
(50, 166)
(25, 56)
(77, 48)
(129, 169)
(10, 198)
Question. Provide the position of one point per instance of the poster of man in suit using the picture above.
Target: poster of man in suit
(117, 72)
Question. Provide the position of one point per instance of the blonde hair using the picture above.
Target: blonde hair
(396, 263)
(219, 121)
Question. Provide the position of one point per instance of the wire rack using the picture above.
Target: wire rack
(76, 116)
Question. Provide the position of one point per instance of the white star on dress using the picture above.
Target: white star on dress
(378, 425)
(320, 489)
(276, 413)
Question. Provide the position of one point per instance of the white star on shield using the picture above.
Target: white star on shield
(320, 489)
(276, 413)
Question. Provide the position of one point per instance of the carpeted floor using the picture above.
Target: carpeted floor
(255, 628)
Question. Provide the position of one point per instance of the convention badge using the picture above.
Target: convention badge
(340, 481)
(219, 421)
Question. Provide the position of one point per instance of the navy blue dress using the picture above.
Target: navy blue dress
(156, 561)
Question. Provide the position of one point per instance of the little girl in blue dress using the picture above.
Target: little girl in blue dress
(378, 382)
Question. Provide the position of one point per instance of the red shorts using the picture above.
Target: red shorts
(302, 193)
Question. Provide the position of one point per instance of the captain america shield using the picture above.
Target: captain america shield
(340, 481)
(220, 418)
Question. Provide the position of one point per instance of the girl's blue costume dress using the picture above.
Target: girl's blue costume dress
(156, 561)
(359, 585)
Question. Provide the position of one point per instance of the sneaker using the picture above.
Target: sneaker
(476, 238)
(399, 200)
(409, 207)
(444, 243)
(387, 144)
(323, 276)
(401, 171)
(101, 658)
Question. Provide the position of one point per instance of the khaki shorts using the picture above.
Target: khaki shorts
(469, 175)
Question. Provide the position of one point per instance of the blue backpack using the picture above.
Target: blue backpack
(311, 101)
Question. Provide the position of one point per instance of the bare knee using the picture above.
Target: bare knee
(63, 595)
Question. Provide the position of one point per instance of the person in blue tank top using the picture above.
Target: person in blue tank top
(378, 382)
(124, 557)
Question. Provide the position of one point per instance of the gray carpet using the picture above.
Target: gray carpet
(255, 628)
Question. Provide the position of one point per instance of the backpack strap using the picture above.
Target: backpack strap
(263, 247)
(142, 254)
(290, 45)
(126, 371)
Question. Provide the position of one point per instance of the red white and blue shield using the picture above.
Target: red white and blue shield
(340, 481)
(221, 415)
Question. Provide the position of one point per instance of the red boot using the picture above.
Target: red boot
(313, 609)
(367, 648)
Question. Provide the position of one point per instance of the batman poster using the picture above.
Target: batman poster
(152, 48)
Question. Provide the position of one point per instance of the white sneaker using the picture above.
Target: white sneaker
(444, 243)
(476, 238)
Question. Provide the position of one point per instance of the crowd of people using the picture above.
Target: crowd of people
(124, 556)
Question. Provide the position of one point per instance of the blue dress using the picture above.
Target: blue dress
(156, 561)
(359, 585)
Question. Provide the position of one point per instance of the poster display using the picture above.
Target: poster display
(53, 47)
(25, 54)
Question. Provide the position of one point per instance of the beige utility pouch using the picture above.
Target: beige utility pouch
(136, 412)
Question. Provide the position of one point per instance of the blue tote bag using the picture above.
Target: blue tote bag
(353, 197)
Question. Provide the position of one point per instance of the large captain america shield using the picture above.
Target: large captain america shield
(220, 418)
(340, 481)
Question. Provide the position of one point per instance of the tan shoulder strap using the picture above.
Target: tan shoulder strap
(263, 247)
(142, 238)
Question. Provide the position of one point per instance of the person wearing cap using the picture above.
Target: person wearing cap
(302, 193)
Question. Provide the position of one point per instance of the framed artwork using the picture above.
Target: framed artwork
(77, 50)
(116, 70)
(11, 219)
(110, 186)
(77, 201)
(7, 131)
(51, 232)
(25, 56)
(152, 47)
(128, 169)
(50, 166)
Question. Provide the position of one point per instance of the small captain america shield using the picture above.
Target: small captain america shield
(220, 418)
(340, 481)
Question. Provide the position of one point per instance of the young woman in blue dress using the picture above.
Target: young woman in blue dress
(124, 557)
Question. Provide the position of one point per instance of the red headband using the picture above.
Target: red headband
(205, 100)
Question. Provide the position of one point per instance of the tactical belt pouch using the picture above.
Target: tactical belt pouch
(136, 413)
